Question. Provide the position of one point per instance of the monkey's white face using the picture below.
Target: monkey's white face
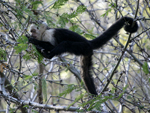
(34, 31)
(38, 32)
(42, 33)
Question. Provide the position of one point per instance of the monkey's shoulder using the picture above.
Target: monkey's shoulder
(69, 35)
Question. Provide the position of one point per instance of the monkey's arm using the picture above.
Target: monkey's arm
(40, 44)
(43, 47)
(77, 48)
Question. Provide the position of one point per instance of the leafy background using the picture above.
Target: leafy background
(30, 83)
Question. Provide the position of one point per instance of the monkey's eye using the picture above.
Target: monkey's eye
(33, 31)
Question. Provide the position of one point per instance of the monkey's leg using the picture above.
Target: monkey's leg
(77, 48)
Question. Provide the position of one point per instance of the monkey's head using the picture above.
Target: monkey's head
(34, 31)
(37, 32)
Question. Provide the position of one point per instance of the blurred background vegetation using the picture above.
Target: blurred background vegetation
(30, 83)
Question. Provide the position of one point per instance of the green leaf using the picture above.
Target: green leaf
(44, 89)
(72, 15)
(35, 4)
(89, 35)
(26, 106)
(113, 5)
(94, 102)
(129, 97)
(145, 68)
(77, 99)
(35, 74)
(106, 13)
(34, 111)
(27, 56)
(29, 12)
(59, 3)
(80, 9)
(12, 110)
(19, 13)
(39, 56)
(27, 77)
(76, 29)
(3, 55)
(20, 47)
(141, 107)
(69, 89)
(63, 21)
(22, 39)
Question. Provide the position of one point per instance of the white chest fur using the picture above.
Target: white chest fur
(48, 36)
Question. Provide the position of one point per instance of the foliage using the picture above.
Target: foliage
(12, 110)
(89, 19)
(69, 89)
(35, 4)
(145, 68)
(78, 98)
(59, 3)
(23, 46)
(3, 54)
(29, 77)
(65, 17)
(112, 6)
(44, 89)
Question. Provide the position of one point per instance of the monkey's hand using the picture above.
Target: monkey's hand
(49, 54)
(28, 36)
(45, 53)
(40, 48)
(32, 40)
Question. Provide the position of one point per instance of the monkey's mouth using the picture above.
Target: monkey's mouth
(33, 36)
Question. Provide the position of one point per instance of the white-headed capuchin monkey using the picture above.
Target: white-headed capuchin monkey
(55, 41)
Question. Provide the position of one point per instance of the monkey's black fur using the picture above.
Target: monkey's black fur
(86, 64)
(68, 41)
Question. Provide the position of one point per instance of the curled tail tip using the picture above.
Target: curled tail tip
(129, 28)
